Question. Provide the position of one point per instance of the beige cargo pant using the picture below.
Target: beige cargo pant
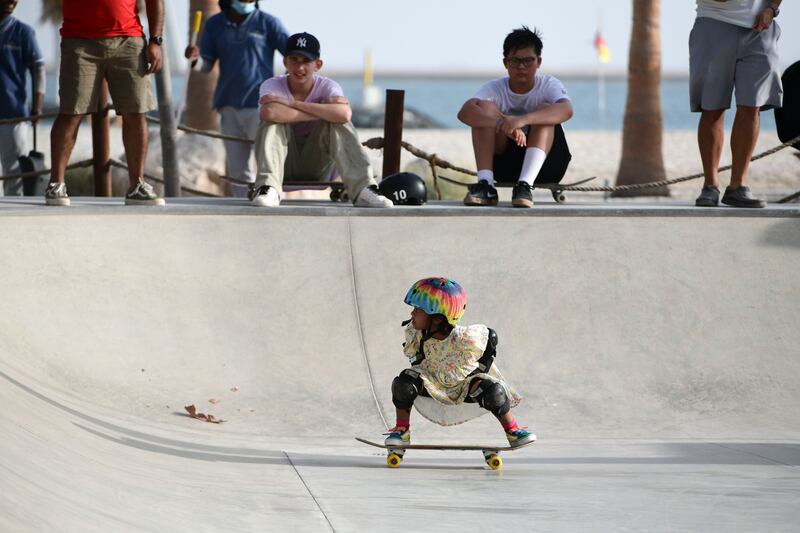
(281, 154)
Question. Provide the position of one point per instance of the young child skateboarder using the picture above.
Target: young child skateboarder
(452, 365)
(516, 125)
(305, 131)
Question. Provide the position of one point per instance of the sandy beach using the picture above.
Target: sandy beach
(594, 153)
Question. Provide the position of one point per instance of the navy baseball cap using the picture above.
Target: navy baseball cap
(303, 44)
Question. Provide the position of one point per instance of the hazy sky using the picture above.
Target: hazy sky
(466, 35)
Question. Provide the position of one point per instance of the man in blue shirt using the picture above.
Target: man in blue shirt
(244, 40)
(19, 54)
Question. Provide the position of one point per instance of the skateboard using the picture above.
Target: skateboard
(557, 189)
(491, 454)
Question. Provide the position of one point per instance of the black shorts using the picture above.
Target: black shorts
(508, 165)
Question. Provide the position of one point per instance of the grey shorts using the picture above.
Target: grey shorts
(724, 57)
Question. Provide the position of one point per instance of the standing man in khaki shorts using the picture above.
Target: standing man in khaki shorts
(104, 39)
(733, 45)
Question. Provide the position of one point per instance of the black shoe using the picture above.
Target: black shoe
(741, 197)
(522, 197)
(481, 193)
(709, 197)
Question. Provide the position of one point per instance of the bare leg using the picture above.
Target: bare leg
(743, 142)
(62, 140)
(403, 414)
(134, 137)
(486, 142)
(541, 137)
(710, 138)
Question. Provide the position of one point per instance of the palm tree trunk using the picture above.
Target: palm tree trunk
(200, 91)
(642, 136)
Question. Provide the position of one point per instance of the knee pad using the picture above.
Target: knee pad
(492, 397)
(405, 388)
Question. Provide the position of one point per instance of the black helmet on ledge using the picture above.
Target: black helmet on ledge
(404, 188)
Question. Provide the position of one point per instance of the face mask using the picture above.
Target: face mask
(242, 8)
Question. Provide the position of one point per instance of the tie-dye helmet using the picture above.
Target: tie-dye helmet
(438, 296)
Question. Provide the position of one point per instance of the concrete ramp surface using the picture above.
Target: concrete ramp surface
(657, 351)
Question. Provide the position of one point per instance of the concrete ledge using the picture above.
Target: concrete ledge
(314, 208)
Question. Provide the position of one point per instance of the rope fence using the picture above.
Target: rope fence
(433, 160)
(80, 164)
(119, 164)
(378, 143)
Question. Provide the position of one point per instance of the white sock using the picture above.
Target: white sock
(534, 160)
(487, 175)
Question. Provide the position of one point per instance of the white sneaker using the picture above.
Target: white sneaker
(56, 194)
(370, 197)
(266, 196)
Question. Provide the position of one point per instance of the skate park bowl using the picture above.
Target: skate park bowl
(656, 349)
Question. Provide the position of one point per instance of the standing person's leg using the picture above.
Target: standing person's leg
(79, 83)
(239, 123)
(758, 88)
(134, 138)
(13, 139)
(713, 54)
(744, 135)
(710, 139)
(129, 85)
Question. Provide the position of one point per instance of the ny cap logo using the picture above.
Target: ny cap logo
(302, 42)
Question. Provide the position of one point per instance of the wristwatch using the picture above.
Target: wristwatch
(775, 10)
(156, 39)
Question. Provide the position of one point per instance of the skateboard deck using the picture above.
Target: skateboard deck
(490, 452)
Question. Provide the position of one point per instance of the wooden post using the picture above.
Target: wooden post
(393, 131)
(101, 151)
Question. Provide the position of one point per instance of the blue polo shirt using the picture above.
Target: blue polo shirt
(246, 53)
(19, 53)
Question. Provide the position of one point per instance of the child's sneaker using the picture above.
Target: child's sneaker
(522, 197)
(398, 436)
(519, 436)
(481, 193)
(142, 194)
(56, 194)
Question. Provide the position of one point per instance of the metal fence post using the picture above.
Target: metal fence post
(169, 156)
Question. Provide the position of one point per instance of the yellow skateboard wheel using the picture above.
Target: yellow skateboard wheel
(494, 462)
(393, 460)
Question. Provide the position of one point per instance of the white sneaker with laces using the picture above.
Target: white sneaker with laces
(370, 197)
(266, 196)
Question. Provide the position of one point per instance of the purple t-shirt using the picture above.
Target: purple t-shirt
(324, 91)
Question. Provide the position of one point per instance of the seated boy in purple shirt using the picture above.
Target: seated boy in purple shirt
(305, 131)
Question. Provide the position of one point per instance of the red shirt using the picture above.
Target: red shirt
(95, 19)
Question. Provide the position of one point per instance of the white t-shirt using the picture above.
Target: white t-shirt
(546, 90)
(324, 91)
(737, 12)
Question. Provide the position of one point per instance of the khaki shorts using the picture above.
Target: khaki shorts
(85, 63)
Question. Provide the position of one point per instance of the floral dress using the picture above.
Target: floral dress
(446, 370)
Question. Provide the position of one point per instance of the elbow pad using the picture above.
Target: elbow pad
(487, 359)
